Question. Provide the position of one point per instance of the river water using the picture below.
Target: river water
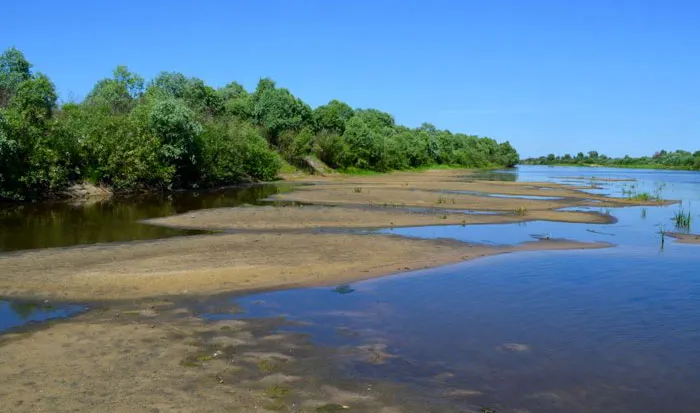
(614, 330)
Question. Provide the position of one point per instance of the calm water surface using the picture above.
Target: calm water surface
(613, 330)
(60, 224)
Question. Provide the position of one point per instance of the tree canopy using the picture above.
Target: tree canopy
(176, 131)
(679, 159)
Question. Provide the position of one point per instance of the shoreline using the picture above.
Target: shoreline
(144, 346)
(683, 238)
(277, 247)
(199, 266)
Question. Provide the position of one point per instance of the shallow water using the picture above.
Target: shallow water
(61, 224)
(536, 197)
(15, 314)
(612, 330)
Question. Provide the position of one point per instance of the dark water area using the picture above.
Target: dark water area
(61, 224)
(614, 330)
(15, 314)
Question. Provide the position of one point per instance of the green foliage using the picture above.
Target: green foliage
(682, 220)
(332, 117)
(277, 110)
(118, 93)
(177, 132)
(14, 69)
(678, 159)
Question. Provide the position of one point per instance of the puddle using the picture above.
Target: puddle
(14, 314)
(536, 197)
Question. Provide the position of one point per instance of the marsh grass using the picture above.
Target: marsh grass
(357, 190)
(682, 220)
(521, 211)
(644, 196)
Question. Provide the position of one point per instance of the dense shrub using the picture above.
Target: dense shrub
(177, 132)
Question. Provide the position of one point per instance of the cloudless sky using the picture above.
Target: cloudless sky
(618, 76)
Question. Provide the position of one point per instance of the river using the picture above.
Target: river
(613, 330)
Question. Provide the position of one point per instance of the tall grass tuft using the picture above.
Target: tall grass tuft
(682, 220)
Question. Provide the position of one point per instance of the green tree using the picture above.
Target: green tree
(277, 110)
(332, 116)
(175, 125)
(237, 102)
(14, 69)
(118, 93)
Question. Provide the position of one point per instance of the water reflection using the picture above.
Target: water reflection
(18, 313)
(60, 224)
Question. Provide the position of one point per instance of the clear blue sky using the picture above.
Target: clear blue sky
(556, 76)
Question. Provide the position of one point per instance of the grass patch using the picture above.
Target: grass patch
(682, 220)
(269, 366)
(521, 211)
(276, 392)
(288, 169)
(351, 170)
(357, 190)
(644, 196)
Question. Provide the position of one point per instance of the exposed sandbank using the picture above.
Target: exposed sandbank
(211, 264)
(682, 238)
(306, 217)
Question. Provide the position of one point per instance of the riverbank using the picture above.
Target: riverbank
(280, 247)
(683, 238)
(143, 347)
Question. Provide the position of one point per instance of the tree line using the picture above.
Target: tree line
(663, 159)
(176, 131)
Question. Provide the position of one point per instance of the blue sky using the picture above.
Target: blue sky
(556, 76)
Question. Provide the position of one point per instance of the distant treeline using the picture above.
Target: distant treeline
(176, 132)
(662, 160)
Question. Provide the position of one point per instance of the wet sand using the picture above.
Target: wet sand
(308, 217)
(682, 238)
(156, 357)
(228, 263)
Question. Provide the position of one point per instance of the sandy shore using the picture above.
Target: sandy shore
(277, 248)
(307, 217)
(682, 238)
(228, 263)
